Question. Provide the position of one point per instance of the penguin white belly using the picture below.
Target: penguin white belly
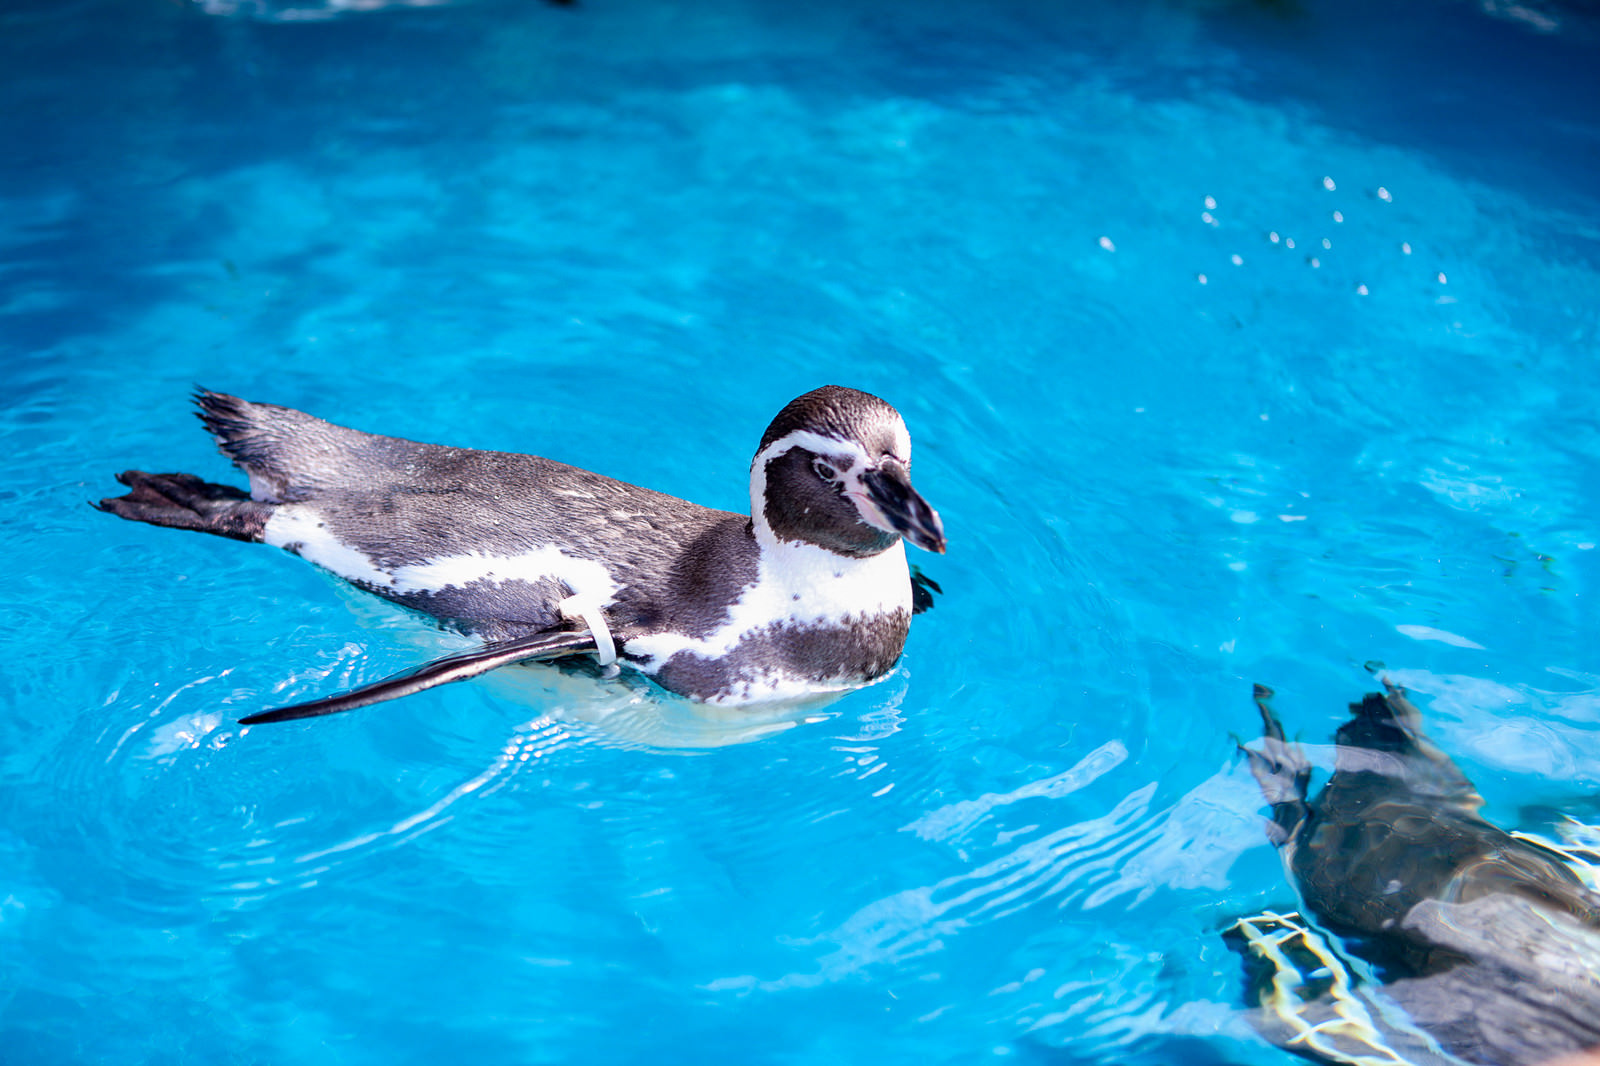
(298, 528)
(802, 593)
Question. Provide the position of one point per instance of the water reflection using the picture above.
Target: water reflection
(1487, 942)
(314, 10)
(303, 10)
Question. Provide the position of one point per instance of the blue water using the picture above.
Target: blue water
(623, 234)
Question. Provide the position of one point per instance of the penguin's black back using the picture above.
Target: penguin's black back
(403, 503)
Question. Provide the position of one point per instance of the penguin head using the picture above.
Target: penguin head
(834, 470)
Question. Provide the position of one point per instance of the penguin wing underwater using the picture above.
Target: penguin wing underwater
(1486, 941)
(542, 560)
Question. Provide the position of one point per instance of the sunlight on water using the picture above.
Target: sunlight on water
(1239, 342)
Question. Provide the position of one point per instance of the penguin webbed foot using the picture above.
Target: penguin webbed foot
(184, 501)
(1281, 770)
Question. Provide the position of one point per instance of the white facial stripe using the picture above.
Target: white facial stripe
(831, 447)
(295, 525)
(902, 442)
(811, 442)
(799, 438)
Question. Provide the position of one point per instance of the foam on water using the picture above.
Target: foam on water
(1174, 454)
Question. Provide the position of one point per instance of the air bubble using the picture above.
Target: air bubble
(1383, 194)
(1105, 242)
(1201, 278)
(1238, 260)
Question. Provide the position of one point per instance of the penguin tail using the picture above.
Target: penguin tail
(288, 454)
(183, 501)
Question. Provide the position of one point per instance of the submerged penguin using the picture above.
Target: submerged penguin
(809, 594)
(1483, 946)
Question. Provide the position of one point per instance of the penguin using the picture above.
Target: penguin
(1487, 942)
(809, 594)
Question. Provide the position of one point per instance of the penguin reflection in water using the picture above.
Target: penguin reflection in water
(1482, 946)
(809, 594)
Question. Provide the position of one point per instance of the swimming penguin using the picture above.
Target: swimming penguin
(1488, 943)
(809, 594)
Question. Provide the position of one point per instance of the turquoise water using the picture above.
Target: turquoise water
(623, 235)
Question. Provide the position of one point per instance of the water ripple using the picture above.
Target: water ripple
(1128, 853)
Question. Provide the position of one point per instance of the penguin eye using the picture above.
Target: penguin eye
(824, 469)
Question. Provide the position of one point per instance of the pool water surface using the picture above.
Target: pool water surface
(1239, 342)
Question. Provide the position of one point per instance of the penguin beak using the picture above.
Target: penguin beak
(901, 508)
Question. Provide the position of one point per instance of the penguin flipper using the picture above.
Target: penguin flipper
(457, 667)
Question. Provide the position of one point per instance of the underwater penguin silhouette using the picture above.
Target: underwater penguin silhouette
(1488, 943)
